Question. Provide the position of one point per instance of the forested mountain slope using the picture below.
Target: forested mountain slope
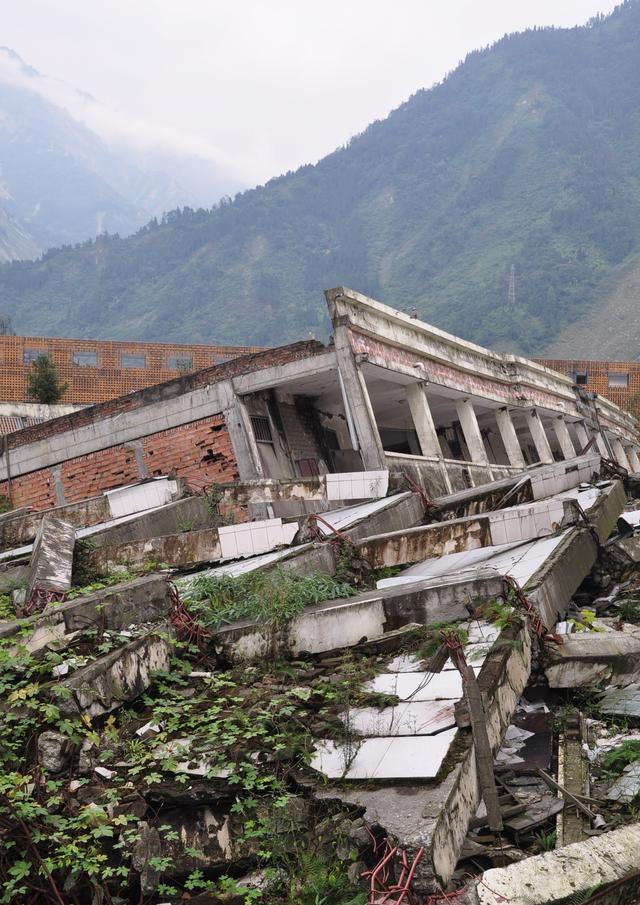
(527, 156)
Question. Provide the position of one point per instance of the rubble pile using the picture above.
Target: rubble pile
(316, 709)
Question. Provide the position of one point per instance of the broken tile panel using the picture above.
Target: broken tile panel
(404, 757)
(411, 718)
(357, 485)
(349, 515)
(622, 701)
(254, 538)
(419, 686)
(627, 787)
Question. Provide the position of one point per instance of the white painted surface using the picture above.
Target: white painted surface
(139, 497)
(525, 522)
(253, 538)
(348, 515)
(357, 485)
(418, 686)
(521, 561)
(337, 625)
(404, 757)
(412, 718)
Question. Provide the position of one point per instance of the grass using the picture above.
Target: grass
(629, 611)
(619, 758)
(7, 609)
(273, 597)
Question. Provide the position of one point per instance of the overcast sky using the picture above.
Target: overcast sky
(260, 86)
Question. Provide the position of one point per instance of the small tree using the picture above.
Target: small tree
(44, 383)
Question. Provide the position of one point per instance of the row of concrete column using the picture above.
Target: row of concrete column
(426, 430)
(366, 437)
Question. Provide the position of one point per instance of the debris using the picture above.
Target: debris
(54, 751)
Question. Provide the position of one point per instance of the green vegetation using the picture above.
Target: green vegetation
(527, 155)
(629, 611)
(43, 382)
(627, 753)
(83, 844)
(5, 503)
(7, 609)
(272, 597)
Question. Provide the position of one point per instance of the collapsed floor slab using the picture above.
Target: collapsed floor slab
(144, 600)
(51, 561)
(569, 874)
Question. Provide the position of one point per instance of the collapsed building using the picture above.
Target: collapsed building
(333, 602)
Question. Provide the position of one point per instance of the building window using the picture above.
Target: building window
(180, 363)
(261, 429)
(579, 377)
(31, 355)
(85, 359)
(133, 361)
(620, 381)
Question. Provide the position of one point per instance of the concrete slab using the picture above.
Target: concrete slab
(52, 557)
(594, 658)
(347, 516)
(419, 686)
(622, 701)
(412, 718)
(404, 757)
(627, 788)
(567, 874)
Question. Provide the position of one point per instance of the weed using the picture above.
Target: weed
(629, 611)
(273, 597)
(436, 633)
(7, 609)
(618, 758)
(499, 612)
(5, 503)
(545, 841)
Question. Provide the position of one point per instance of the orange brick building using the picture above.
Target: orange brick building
(618, 381)
(98, 370)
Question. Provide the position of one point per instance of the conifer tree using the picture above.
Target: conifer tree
(44, 383)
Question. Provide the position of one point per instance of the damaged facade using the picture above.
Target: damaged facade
(390, 393)
(323, 611)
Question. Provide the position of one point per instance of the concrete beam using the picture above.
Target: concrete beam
(510, 438)
(592, 659)
(144, 600)
(564, 437)
(540, 438)
(268, 378)
(471, 431)
(344, 623)
(516, 525)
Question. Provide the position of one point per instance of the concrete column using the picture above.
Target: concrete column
(619, 453)
(540, 438)
(510, 438)
(364, 421)
(564, 437)
(471, 431)
(601, 445)
(634, 461)
(243, 441)
(423, 420)
(583, 436)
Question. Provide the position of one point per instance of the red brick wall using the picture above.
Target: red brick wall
(201, 452)
(597, 381)
(108, 378)
(170, 390)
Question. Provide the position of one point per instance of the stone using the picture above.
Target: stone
(54, 751)
(148, 847)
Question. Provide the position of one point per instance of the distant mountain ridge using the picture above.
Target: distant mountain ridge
(526, 157)
(59, 181)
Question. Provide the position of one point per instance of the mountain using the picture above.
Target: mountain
(525, 160)
(60, 182)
